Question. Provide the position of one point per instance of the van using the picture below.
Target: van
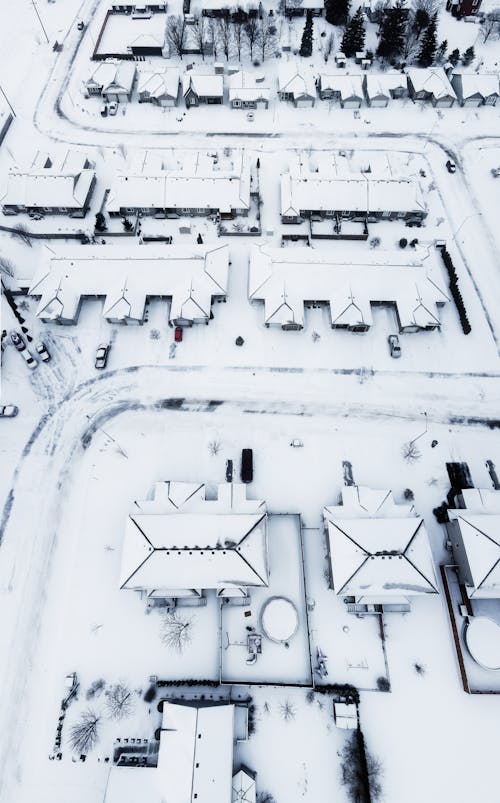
(246, 465)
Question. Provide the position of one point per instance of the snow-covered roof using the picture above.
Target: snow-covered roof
(347, 85)
(381, 84)
(159, 83)
(224, 191)
(244, 788)
(195, 760)
(293, 77)
(432, 80)
(127, 274)
(357, 193)
(113, 74)
(47, 188)
(480, 535)
(181, 540)
(346, 715)
(204, 85)
(468, 85)
(378, 548)
(244, 86)
(349, 281)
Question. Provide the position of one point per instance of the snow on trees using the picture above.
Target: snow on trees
(354, 35)
(176, 34)
(119, 702)
(337, 11)
(429, 44)
(307, 36)
(393, 31)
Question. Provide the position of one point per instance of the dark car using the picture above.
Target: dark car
(246, 465)
(178, 334)
(451, 166)
(18, 341)
(101, 355)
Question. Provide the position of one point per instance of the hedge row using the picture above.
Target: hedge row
(191, 682)
(455, 291)
(348, 693)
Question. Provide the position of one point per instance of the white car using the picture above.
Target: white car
(8, 411)
(28, 359)
(41, 350)
(112, 109)
(250, 117)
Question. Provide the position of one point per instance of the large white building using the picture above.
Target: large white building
(286, 279)
(379, 551)
(195, 760)
(125, 276)
(179, 543)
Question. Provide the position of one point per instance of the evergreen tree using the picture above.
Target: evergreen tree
(469, 56)
(429, 44)
(337, 11)
(393, 31)
(454, 57)
(420, 20)
(306, 45)
(353, 40)
(441, 51)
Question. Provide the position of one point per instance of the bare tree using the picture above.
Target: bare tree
(287, 710)
(252, 35)
(410, 452)
(176, 34)
(119, 702)
(84, 735)
(6, 266)
(490, 25)
(267, 36)
(214, 447)
(239, 35)
(225, 33)
(21, 230)
(214, 36)
(357, 773)
(176, 631)
(200, 31)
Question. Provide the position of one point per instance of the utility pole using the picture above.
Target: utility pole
(40, 20)
(9, 104)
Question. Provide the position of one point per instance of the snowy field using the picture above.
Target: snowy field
(85, 444)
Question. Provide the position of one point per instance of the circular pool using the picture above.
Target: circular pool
(279, 619)
(482, 636)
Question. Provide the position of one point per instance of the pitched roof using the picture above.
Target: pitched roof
(197, 544)
(470, 84)
(125, 277)
(480, 533)
(113, 73)
(159, 83)
(47, 188)
(432, 80)
(244, 86)
(382, 550)
(294, 78)
(348, 281)
(206, 86)
(381, 84)
(348, 86)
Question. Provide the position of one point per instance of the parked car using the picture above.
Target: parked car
(246, 465)
(451, 166)
(112, 108)
(8, 411)
(101, 355)
(394, 346)
(250, 117)
(80, 25)
(296, 443)
(104, 111)
(41, 350)
(17, 341)
(229, 470)
(178, 334)
(28, 359)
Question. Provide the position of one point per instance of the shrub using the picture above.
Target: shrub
(383, 684)
(403, 242)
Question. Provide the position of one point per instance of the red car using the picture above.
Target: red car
(178, 334)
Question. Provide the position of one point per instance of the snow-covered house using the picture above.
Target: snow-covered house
(247, 91)
(48, 190)
(431, 84)
(358, 197)
(244, 786)
(180, 543)
(195, 760)
(159, 87)
(202, 88)
(379, 551)
(224, 193)
(112, 79)
(298, 8)
(345, 88)
(132, 7)
(296, 83)
(474, 532)
(286, 279)
(125, 276)
(380, 88)
(476, 89)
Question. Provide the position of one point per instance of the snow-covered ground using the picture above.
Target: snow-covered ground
(86, 445)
